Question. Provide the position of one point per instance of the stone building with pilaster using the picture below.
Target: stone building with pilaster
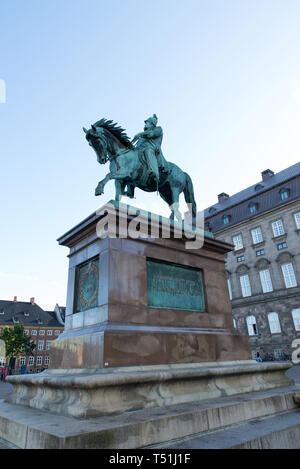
(262, 223)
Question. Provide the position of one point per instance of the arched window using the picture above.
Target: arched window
(266, 282)
(289, 275)
(252, 326)
(274, 323)
(296, 318)
(245, 285)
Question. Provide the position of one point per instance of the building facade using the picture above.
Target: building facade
(41, 326)
(262, 223)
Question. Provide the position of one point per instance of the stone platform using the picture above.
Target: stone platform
(91, 393)
(264, 419)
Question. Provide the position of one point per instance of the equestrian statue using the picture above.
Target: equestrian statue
(139, 163)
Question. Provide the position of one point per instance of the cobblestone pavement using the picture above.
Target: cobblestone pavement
(6, 388)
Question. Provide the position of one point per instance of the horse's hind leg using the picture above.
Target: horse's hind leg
(120, 189)
(175, 205)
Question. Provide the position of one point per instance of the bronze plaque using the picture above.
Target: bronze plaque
(172, 286)
(87, 285)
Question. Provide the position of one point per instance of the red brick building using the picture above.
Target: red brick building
(41, 326)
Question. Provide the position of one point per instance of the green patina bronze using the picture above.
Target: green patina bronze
(87, 285)
(139, 163)
(171, 286)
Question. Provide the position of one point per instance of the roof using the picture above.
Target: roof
(264, 193)
(27, 314)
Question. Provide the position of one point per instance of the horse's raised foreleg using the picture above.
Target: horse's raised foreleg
(118, 175)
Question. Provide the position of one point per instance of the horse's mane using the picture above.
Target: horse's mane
(116, 130)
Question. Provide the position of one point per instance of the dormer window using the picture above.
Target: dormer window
(284, 193)
(253, 206)
(226, 219)
(211, 210)
(258, 187)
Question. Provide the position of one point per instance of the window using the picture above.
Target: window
(238, 242)
(42, 332)
(278, 229)
(229, 289)
(56, 332)
(245, 285)
(288, 275)
(39, 360)
(23, 361)
(26, 331)
(257, 235)
(296, 318)
(48, 342)
(46, 360)
(41, 345)
(278, 354)
(49, 332)
(226, 219)
(234, 323)
(297, 219)
(240, 258)
(31, 360)
(258, 187)
(253, 207)
(274, 323)
(284, 194)
(33, 332)
(266, 281)
(260, 252)
(252, 326)
(281, 246)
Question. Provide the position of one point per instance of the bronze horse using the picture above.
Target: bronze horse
(128, 167)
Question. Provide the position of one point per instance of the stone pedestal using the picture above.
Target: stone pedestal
(144, 301)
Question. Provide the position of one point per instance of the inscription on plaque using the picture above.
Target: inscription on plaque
(172, 286)
(87, 285)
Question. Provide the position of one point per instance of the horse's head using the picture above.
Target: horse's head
(107, 139)
(96, 139)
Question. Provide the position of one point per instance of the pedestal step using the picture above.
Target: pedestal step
(281, 431)
(164, 426)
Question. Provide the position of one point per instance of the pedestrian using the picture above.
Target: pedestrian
(6, 371)
(258, 357)
(2, 372)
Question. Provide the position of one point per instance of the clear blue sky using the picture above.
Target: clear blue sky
(222, 76)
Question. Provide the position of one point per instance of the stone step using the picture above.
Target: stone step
(32, 428)
(281, 431)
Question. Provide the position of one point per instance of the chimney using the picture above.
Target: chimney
(267, 174)
(222, 197)
(32, 301)
(15, 299)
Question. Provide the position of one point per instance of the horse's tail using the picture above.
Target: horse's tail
(189, 194)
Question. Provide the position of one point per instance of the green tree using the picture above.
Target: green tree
(17, 342)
